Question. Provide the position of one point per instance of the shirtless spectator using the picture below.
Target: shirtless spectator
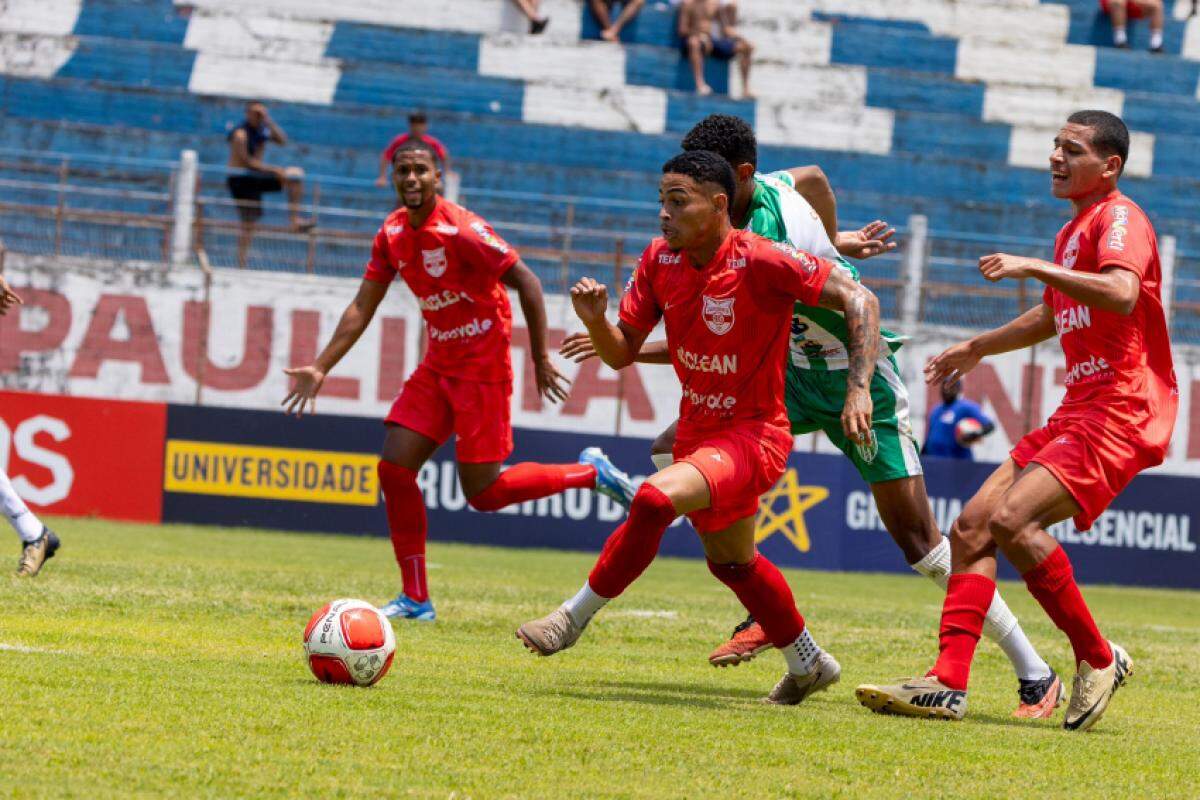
(251, 177)
(602, 10)
(708, 28)
(1121, 11)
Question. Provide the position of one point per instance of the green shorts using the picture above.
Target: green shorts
(814, 403)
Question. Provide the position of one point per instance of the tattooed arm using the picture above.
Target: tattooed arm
(861, 309)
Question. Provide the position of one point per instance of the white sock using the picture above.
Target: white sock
(584, 605)
(1156, 40)
(662, 460)
(1000, 625)
(801, 654)
(1120, 37)
(1026, 662)
(936, 564)
(28, 526)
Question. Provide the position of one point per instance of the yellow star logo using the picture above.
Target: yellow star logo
(781, 510)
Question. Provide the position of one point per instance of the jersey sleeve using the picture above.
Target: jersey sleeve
(483, 250)
(791, 274)
(379, 268)
(784, 177)
(639, 307)
(1124, 238)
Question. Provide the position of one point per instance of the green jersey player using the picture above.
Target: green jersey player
(798, 206)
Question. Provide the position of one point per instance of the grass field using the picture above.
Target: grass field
(166, 661)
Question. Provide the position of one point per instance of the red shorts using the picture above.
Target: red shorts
(1091, 456)
(739, 463)
(1132, 9)
(480, 413)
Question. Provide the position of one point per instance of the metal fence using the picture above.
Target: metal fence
(128, 209)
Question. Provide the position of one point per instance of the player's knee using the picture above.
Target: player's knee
(969, 537)
(1006, 524)
(663, 444)
(486, 500)
(653, 503)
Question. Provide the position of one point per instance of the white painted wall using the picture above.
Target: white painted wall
(624, 108)
(1045, 107)
(39, 16)
(33, 55)
(237, 76)
(584, 64)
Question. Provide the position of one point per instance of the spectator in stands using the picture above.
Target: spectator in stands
(418, 128)
(251, 177)
(1119, 11)
(707, 28)
(602, 10)
(537, 22)
(944, 437)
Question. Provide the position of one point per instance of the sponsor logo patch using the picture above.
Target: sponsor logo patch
(395, 230)
(1119, 229)
(1071, 254)
(670, 258)
(488, 237)
(448, 230)
(718, 314)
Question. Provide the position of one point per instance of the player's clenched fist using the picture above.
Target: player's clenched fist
(856, 415)
(951, 364)
(590, 300)
(998, 266)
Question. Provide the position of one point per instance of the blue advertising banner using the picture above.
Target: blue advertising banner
(263, 469)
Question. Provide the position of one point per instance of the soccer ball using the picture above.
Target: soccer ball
(966, 431)
(349, 642)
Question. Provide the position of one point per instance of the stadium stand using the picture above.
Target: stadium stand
(943, 108)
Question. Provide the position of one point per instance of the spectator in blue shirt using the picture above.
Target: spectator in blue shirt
(942, 438)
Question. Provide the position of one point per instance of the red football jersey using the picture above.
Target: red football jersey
(727, 323)
(452, 263)
(1111, 356)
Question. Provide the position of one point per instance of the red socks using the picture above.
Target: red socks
(1052, 582)
(765, 594)
(967, 599)
(634, 544)
(407, 523)
(528, 481)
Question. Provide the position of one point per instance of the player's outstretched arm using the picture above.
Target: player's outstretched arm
(551, 384)
(578, 347)
(307, 380)
(860, 307)
(1112, 289)
(872, 239)
(1035, 325)
(617, 345)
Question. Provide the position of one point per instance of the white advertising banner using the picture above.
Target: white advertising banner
(117, 331)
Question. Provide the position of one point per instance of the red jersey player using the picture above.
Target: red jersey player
(1102, 300)
(458, 268)
(725, 297)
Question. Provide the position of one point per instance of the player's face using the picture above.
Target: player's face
(1077, 169)
(415, 177)
(689, 211)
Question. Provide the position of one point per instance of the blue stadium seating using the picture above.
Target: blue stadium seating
(132, 88)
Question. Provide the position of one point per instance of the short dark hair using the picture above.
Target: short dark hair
(417, 116)
(1109, 134)
(419, 145)
(730, 137)
(704, 166)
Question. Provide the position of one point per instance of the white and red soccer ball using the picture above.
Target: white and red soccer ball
(349, 642)
(967, 431)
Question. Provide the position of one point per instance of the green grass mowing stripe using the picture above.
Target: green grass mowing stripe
(165, 661)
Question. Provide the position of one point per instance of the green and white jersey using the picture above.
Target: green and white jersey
(819, 338)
